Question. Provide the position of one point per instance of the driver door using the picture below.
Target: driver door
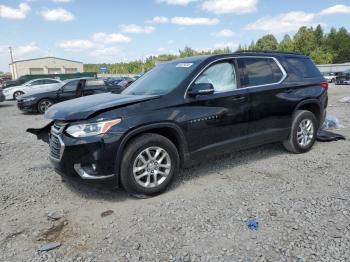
(68, 91)
(219, 120)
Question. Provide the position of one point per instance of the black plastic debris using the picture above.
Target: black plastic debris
(327, 136)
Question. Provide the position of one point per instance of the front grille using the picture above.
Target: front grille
(56, 144)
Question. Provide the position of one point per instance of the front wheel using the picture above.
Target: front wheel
(43, 105)
(17, 93)
(149, 164)
(303, 132)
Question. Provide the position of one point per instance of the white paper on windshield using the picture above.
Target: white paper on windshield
(186, 65)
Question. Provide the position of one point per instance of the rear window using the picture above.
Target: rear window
(303, 66)
(259, 71)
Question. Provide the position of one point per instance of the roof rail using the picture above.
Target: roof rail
(266, 51)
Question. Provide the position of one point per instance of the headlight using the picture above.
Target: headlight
(91, 129)
(29, 99)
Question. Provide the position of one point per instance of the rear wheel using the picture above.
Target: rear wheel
(303, 132)
(17, 93)
(149, 164)
(43, 105)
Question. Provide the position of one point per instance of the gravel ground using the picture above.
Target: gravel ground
(302, 204)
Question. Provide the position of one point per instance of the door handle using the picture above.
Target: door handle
(238, 99)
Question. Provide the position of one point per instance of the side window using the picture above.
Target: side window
(37, 82)
(221, 75)
(303, 66)
(71, 86)
(259, 71)
(94, 84)
(49, 81)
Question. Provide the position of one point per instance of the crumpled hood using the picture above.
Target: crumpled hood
(83, 107)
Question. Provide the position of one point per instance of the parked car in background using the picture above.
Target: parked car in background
(24, 79)
(12, 92)
(3, 80)
(184, 111)
(331, 77)
(343, 79)
(2, 96)
(40, 102)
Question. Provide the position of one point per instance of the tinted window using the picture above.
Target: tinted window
(37, 82)
(71, 86)
(259, 71)
(94, 84)
(303, 66)
(50, 81)
(222, 76)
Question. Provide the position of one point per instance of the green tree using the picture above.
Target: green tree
(286, 44)
(267, 43)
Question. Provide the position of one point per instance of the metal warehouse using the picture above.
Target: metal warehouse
(45, 65)
(333, 68)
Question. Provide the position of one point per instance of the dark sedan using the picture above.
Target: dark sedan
(40, 102)
(2, 96)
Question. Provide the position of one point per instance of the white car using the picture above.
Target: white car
(30, 86)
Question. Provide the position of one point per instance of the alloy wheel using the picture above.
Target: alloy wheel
(44, 105)
(151, 167)
(305, 132)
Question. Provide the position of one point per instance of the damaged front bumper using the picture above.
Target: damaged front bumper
(89, 158)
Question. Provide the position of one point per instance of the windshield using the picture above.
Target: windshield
(162, 79)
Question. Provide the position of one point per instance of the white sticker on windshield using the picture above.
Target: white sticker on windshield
(184, 65)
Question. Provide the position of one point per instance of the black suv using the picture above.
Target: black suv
(186, 110)
(73, 88)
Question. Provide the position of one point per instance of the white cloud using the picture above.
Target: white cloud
(110, 38)
(107, 51)
(176, 2)
(25, 49)
(282, 23)
(58, 14)
(225, 33)
(336, 9)
(13, 13)
(232, 46)
(162, 50)
(229, 6)
(76, 45)
(136, 29)
(188, 21)
(158, 20)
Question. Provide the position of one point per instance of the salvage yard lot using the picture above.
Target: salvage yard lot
(302, 204)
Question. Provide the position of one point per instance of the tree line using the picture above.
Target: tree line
(323, 48)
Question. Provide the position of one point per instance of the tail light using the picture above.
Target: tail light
(324, 85)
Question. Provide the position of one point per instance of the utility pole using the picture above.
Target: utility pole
(14, 74)
(10, 48)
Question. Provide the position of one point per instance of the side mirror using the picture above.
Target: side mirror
(201, 89)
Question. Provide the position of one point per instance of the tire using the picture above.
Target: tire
(43, 105)
(303, 132)
(17, 93)
(135, 158)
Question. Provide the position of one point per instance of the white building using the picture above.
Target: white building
(333, 68)
(45, 65)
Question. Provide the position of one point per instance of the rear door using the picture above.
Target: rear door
(270, 114)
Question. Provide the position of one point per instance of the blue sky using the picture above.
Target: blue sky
(120, 30)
